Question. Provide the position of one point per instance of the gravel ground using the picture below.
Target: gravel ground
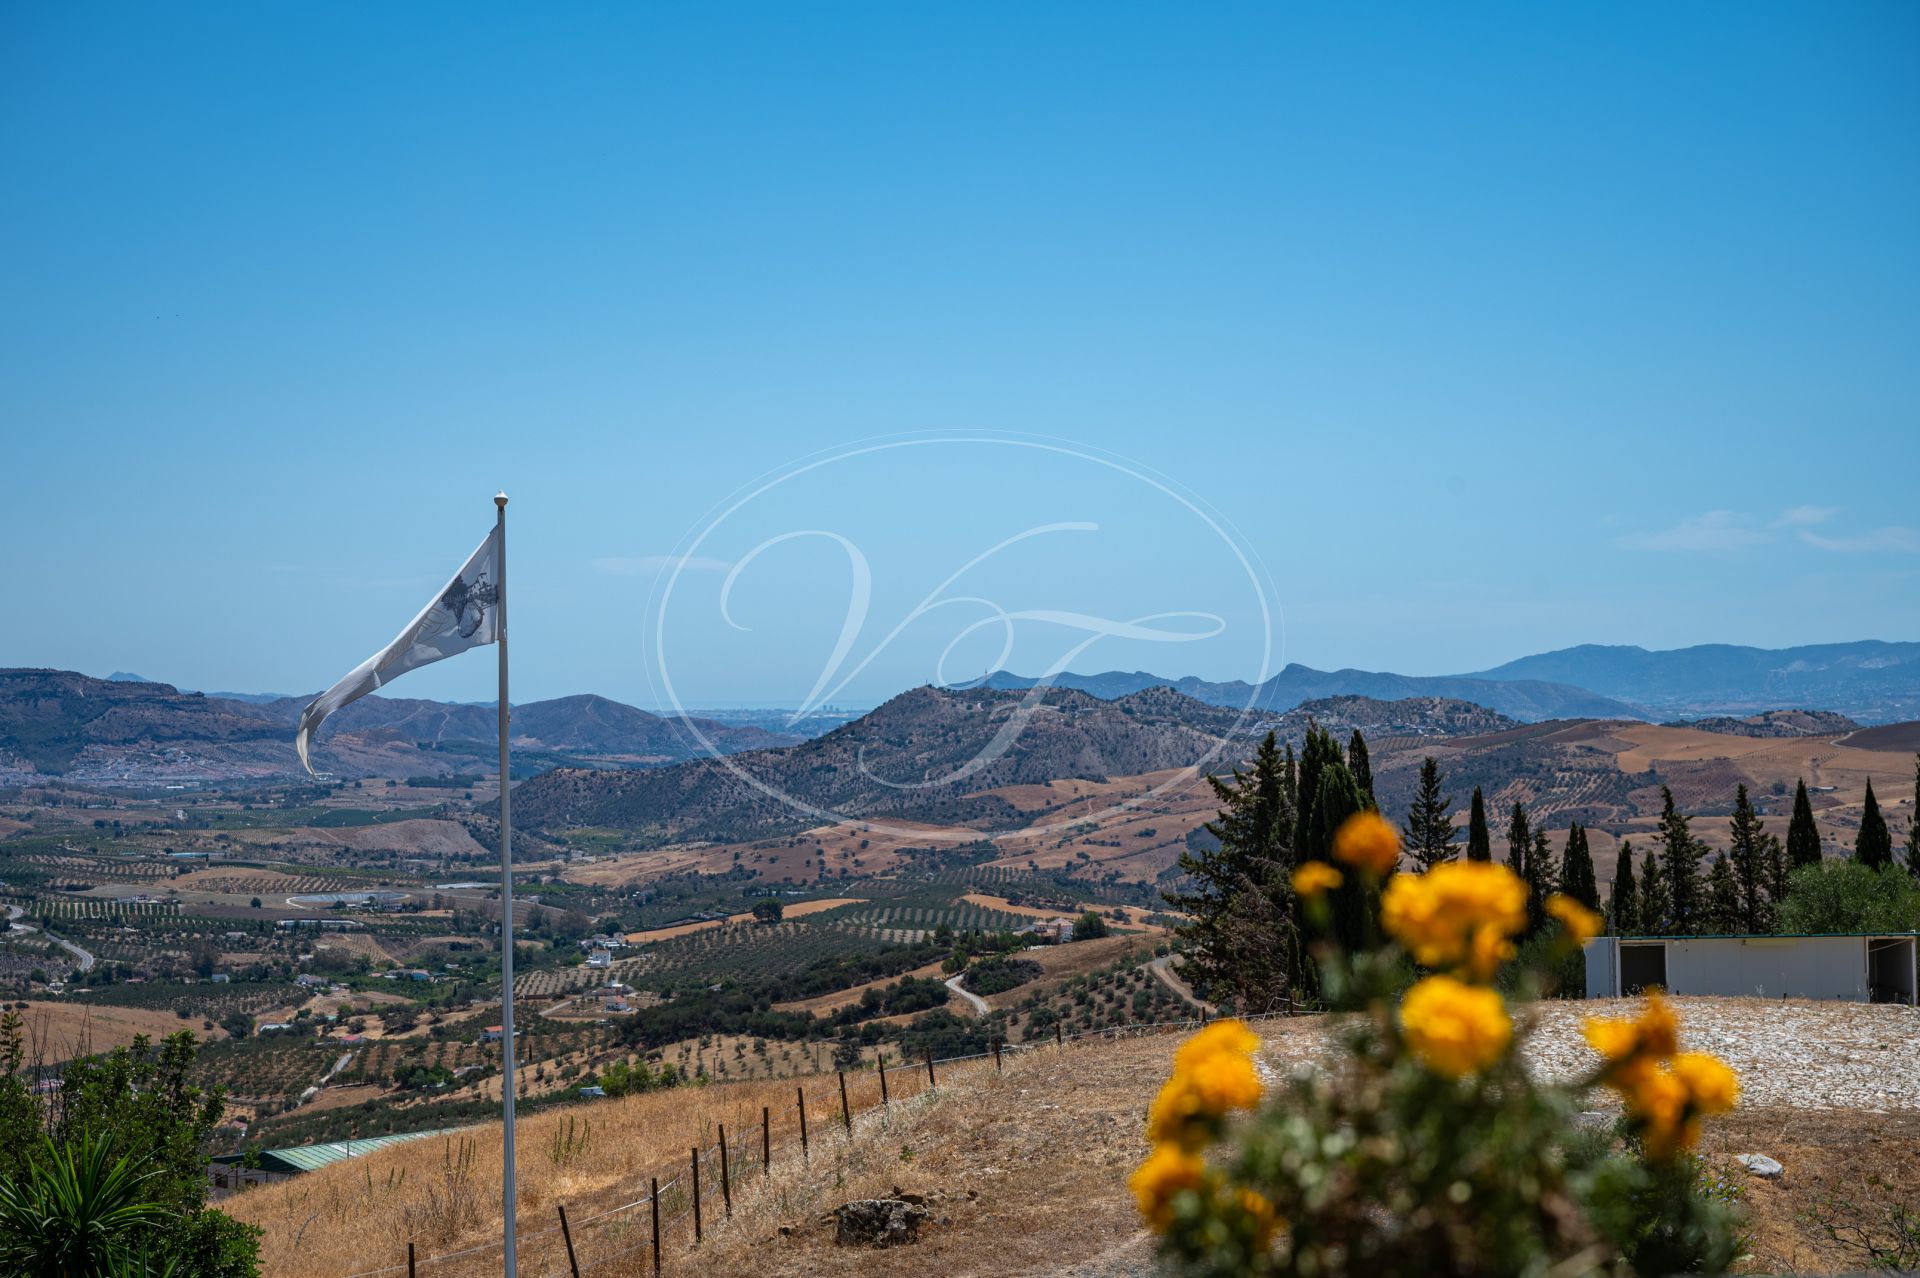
(1790, 1055)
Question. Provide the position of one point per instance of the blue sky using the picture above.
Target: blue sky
(1481, 330)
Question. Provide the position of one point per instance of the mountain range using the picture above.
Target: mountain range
(1870, 681)
(58, 723)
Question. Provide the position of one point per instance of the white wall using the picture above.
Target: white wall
(1816, 967)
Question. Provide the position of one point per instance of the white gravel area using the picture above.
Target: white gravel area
(1789, 1054)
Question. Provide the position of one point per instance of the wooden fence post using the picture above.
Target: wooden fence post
(1057, 1040)
(409, 1260)
(931, 1081)
(567, 1233)
(801, 1093)
(655, 1198)
(726, 1182)
(696, 1196)
(883, 1080)
(846, 1112)
(766, 1140)
(996, 1056)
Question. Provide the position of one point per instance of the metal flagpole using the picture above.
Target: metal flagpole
(508, 1198)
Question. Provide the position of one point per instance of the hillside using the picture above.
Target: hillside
(1871, 681)
(1022, 1168)
(1528, 701)
(926, 755)
(59, 723)
(1775, 723)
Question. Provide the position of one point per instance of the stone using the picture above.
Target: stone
(1760, 1165)
(878, 1222)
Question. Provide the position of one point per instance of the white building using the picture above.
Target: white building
(1862, 968)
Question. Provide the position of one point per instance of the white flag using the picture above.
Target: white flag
(464, 615)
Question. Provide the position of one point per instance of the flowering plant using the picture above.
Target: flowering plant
(1422, 1146)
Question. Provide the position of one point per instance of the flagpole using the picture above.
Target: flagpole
(509, 1200)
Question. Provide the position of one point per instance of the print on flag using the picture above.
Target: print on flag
(464, 615)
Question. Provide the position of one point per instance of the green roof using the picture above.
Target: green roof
(306, 1158)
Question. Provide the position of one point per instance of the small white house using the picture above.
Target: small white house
(1862, 968)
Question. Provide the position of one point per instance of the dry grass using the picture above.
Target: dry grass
(1024, 1173)
(61, 1031)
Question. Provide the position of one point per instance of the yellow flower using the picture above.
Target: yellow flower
(1368, 842)
(1658, 1099)
(1315, 877)
(1440, 915)
(1454, 1028)
(1155, 1183)
(1212, 1074)
(1581, 924)
(1712, 1088)
(1653, 1035)
(1259, 1210)
(1228, 1036)
(1489, 950)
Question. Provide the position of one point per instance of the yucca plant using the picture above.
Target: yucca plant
(77, 1212)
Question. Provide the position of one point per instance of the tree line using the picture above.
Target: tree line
(1246, 933)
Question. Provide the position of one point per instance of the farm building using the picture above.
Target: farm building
(1861, 967)
(230, 1171)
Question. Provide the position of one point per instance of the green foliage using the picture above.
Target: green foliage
(998, 975)
(1873, 846)
(1680, 855)
(1803, 837)
(1847, 896)
(1913, 824)
(1655, 909)
(138, 1104)
(76, 1212)
(1723, 913)
(1430, 827)
(1241, 936)
(1479, 841)
(1623, 910)
(1089, 927)
(1576, 869)
(767, 911)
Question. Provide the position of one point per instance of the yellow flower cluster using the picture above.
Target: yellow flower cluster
(1368, 842)
(1667, 1091)
(1454, 1028)
(1316, 877)
(1212, 1075)
(1459, 914)
(1580, 924)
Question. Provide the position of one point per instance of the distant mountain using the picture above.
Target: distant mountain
(912, 758)
(1528, 701)
(1870, 681)
(121, 676)
(55, 722)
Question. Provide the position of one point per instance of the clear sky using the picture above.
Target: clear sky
(1479, 329)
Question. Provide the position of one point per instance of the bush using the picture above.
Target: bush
(1089, 927)
(1846, 896)
(997, 975)
(1429, 1149)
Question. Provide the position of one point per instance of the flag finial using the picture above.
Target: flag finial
(500, 498)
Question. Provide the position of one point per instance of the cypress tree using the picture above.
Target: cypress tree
(1362, 768)
(1748, 859)
(1317, 753)
(1240, 941)
(1623, 911)
(1913, 824)
(1680, 868)
(1776, 878)
(1873, 846)
(1479, 842)
(1541, 880)
(1803, 837)
(1338, 798)
(1430, 827)
(1576, 869)
(1519, 841)
(1723, 900)
(1655, 906)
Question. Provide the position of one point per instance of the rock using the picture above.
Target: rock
(878, 1222)
(1760, 1165)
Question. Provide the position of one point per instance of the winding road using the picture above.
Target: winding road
(84, 959)
(1162, 968)
(973, 1001)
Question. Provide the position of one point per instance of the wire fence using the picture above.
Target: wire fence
(699, 1193)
